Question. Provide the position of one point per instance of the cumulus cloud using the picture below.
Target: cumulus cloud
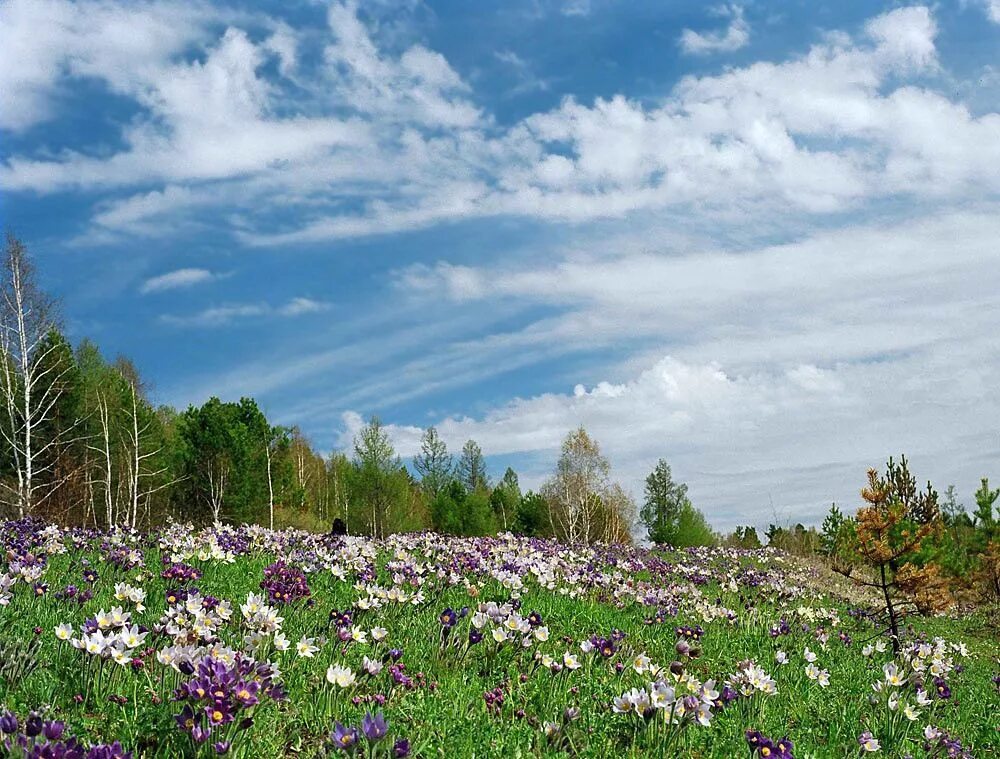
(176, 279)
(737, 35)
(848, 122)
(791, 367)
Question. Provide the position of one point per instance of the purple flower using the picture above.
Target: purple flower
(33, 725)
(374, 727)
(345, 738)
(201, 734)
(8, 723)
(53, 730)
(401, 748)
(941, 688)
(112, 751)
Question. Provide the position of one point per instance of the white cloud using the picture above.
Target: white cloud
(399, 133)
(176, 279)
(218, 316)
(992, 8)
(737, 35)
(576, 8)
(47, 42)
(299, 306)
(790, 368)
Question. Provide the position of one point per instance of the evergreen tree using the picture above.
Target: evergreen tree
(985, 498)
(380, 486)
(434, 464)
(471, 470)
(505, 498)
(665, 499)
(532, 516)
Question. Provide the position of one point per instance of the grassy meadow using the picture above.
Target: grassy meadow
(255, 643)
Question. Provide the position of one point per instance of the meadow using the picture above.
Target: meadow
(249, 642)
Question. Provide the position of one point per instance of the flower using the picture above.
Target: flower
(344, 738)
(306, 648)
(8, 723)
(374, 726)
(342, 677)
(868, 742)
(941, 688)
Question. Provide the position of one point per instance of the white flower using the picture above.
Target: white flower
(781, 657)
(281, 643)
(661, 695)
(570, 661)
(911, 712)
(64, 631)
(379, 633)
(340, 676)
(641, 663)
(306, 648)
(893, 676)
(809, 655)
(371, 666)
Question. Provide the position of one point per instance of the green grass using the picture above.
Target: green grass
(447, 715)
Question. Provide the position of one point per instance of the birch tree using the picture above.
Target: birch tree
(584, 505)
(31, 381)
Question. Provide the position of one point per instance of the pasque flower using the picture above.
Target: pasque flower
(374, 726)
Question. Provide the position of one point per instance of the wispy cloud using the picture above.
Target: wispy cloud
(176, 279)
(227, 314)
(736, 35)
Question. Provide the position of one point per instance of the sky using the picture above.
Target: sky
(760, 240)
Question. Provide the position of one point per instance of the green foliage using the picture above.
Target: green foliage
(745, 537)
(379, 485)
(663, 504)
(457, 511)
(985, 499)
(692, 528)
(433, 463)
(532, 516)
(224, 462)
(471, 468)
(798, 540)
(504, 500)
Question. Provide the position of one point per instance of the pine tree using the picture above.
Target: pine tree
(471, 469)
(662, 507)
(434, 464)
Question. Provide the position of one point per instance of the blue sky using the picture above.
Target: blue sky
(758, 239)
